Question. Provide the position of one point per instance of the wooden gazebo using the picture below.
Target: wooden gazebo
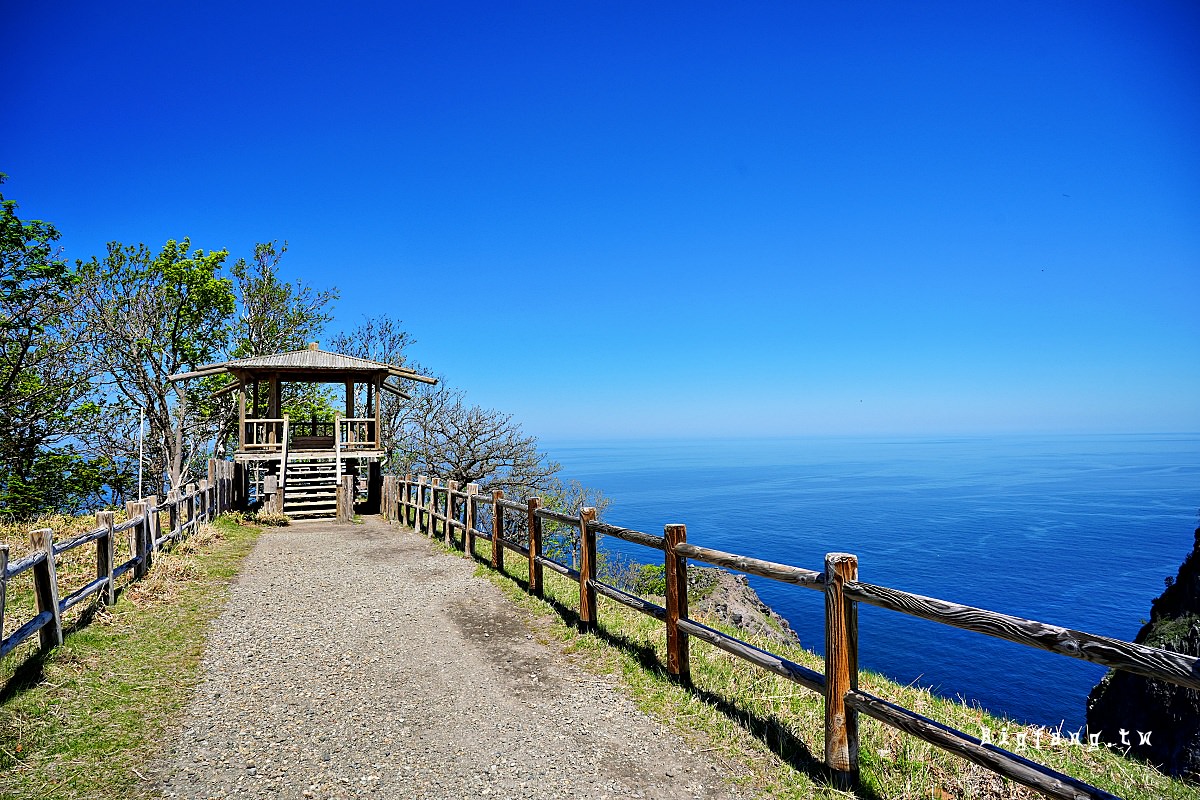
(294, 465)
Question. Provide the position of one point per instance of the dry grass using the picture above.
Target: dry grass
(83, 720)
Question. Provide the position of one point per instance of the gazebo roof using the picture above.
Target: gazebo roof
(309, 360)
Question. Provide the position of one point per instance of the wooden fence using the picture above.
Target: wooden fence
(423, 502)
(185, 512)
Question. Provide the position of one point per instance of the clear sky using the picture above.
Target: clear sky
(624, 219)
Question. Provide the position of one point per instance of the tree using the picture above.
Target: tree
(36, 287)
(383, 339)
(153, 315)
(44, 384)
(469, 444)
(272, 316)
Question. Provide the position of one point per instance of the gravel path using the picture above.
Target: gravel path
(358, 661)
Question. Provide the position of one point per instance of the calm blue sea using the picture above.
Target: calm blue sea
(1077, 531)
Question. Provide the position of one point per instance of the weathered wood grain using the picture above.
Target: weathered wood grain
(797, 673)
(448, 520)
(561, 569)
(469, 519)
(554, 516)
(3, 585)
(1148, 661)
(587, 569)
(633, 601)
(35, 625)
(24, 564)
(512, 505)
(79, 541)
(841, 670)
(81, 594)
(675, 575)
(150, 531)
(755, 566)
(533, 528)
(1030, 773)
(516, 547)
(106, 556)
(497, 530)
(127, 524)
(628, 535)
(45, 587)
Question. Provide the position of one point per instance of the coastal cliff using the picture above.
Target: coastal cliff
(1158, 721)
(730, 599)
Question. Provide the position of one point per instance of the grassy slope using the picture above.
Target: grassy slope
(769, 732)
(84, 720)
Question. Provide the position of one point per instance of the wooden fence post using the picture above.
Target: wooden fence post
(137, 538)
(190, 491)
(451, 487)
(434, 483)
(420, 505)
(151, 528)
(497, 530)
(105, 551)
(406, 500)
(587, 569)
(469, 519)
(45, 587)
(841, 670)
(675, 572)
(172, 513)
(3, 584)
(211, 501)
(345, 495)
(534, 525)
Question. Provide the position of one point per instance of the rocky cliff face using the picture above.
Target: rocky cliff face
(1160, 721)
(728, 598)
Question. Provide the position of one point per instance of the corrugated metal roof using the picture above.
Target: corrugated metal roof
(308, 360)
(317, 360)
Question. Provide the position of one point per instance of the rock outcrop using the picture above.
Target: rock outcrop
(1158, 721)
(730, 599)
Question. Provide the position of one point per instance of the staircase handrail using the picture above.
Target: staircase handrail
(283, 463)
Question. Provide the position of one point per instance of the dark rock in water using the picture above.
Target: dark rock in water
(1158, 721)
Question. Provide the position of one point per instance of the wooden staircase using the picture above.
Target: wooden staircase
(310, 488)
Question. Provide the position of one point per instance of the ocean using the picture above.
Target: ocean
(1078, 531)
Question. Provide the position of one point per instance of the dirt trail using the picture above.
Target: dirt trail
(358, 661)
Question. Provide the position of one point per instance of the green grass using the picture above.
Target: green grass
(85, 719)
(768, 733)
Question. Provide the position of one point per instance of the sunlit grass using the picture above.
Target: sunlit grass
(83, 720)
(768, 733)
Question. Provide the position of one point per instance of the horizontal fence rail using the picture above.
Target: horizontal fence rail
(143, 536)
(421, 502)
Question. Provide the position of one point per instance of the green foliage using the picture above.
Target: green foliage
(43, 375)
(152, 315)
(60, 481)
(652, 579)
(273, 315)
(309, 401)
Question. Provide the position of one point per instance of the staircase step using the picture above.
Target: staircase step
(308, 505)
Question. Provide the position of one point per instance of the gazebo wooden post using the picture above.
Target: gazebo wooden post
(241, 437)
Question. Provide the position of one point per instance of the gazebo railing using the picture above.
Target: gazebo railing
(263, 434)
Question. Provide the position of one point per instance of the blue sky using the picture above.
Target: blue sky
(629, 219)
